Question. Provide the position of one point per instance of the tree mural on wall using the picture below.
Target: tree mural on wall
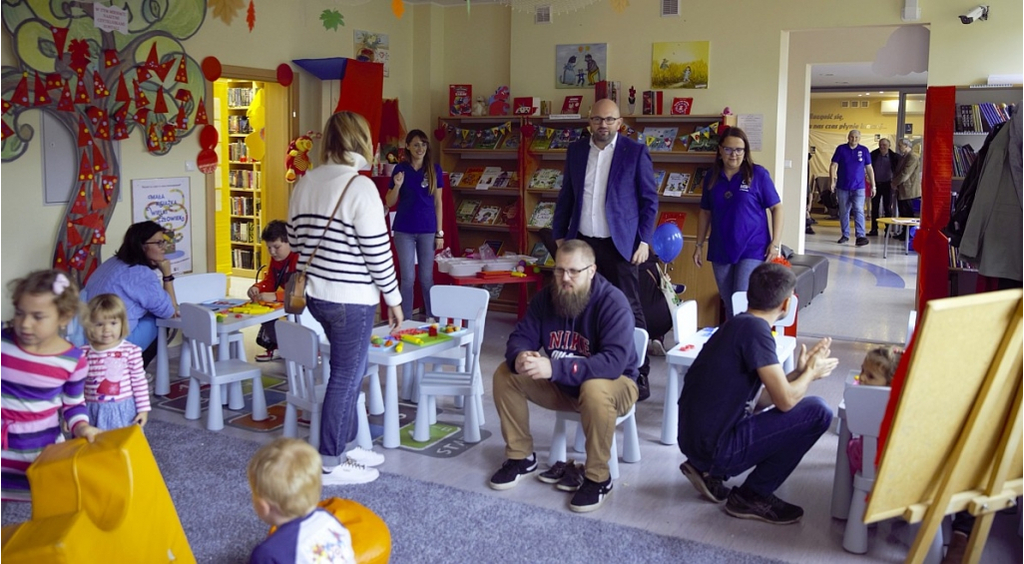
(103, 86)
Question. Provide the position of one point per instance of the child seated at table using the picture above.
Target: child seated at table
(878, 368)
(285, 479)
(283, 264)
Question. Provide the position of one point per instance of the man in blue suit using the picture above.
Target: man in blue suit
(608, 199)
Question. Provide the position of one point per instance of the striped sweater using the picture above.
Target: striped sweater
(116, 374)
(354, 264)
(36, 390)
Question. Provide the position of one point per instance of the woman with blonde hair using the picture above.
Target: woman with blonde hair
(336, 224)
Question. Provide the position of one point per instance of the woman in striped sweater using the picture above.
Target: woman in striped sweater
(350, 270)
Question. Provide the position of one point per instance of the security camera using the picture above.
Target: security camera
(976, 13)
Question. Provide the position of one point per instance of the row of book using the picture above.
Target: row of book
(243, 258)
(476, 212)
(239, 124)
(676, 184)
(483, 178)
(979, 118)
(485, 139)
(963, 158)
(243, 232)
(956, 262)
(239, 97)
(247, 179)
(241, 205)
(237, 151)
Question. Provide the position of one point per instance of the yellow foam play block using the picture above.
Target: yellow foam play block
(98, 503)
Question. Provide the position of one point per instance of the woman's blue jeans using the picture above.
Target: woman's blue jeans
(732, 278)
(347, 327)
(408, 246)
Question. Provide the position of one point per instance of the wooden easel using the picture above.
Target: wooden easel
(955, 442)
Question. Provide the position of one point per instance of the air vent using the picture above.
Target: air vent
(669, 8)
(542, 15)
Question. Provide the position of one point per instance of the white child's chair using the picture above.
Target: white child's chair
(739, 305)
(630, 437)
(299, 346)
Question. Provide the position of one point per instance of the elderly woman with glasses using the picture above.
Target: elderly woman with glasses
(733, 201)
(140, 275)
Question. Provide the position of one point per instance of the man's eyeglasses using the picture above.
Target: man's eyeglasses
(596, 120)
(572, 272)
(160, 243)
(733, 150)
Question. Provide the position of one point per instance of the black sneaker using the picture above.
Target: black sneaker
(554, 474)
(809, 230)
(710, 487)
(508, 475)
(643, 386)
(770, 509)
(573, 477)
(872, 233)
(843, 239)
(862, 241)
(591, 495)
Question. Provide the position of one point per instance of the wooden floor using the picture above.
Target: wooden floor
(867, 301)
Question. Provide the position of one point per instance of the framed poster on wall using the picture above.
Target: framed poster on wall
(167, 201)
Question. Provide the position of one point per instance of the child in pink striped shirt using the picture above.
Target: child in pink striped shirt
(116, 391)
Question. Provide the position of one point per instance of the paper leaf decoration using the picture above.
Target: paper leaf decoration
(99, 121)
(250, 16)
(181, 122)
(92, 221)
(152, 139)
(59, 262)
(78, 259)
(169, 134)
(98, 201)
(84, 170)
(41, 96)
(80, 57)
(5, 131)
(164, 69)
(109, 183)
(160, 105)
(79, 207)
(183, 95)
(99, 236)
(121, 95)
(6, 105)
(74, 237)
(397, 8)
(60, 38)
(141, 100)
(81, 94)
(332, 19)
(225, 10)
(152, 59)
(84, 137)
(98, 162)
(142, 116)
(142, 74)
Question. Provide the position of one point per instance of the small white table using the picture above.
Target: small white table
(392, 360)
(681, 357)
(231, 323)
(890, 224)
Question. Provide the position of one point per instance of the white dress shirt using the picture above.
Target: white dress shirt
(593, 219)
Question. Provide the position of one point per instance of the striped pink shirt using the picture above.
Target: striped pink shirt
(116, 374)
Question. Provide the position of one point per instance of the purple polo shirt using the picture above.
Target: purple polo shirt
(415, 212)
(852, 162)
(739, 227)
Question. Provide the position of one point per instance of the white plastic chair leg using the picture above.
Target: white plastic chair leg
(630, 440)
(580, 443)
(314, 428)
(431, 407)
(471, 433)
(363, 437)
(376, 398)
(214, 410)
(235, 397)
(193, 400)
(557, 441)
(185, 361)
(259, 400)
(291, 421)
(421, 431)
(407, 384)
(855, 538)
(842, 481)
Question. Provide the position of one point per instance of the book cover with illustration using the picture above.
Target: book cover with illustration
(460, 99)
(464, 139)
(544, 179)
(697, 181)
(676, 217)
(564, 137)
(539, 252)
(676, 185)
(454, 178)
(540, 142)
(466, 211)
(542, 215)
(487, 139)
(660, 139)
(471, 177)
(487, 214)
(487, 177)
(571, 104)
(659, 179)
(510, 142)
(502, 179)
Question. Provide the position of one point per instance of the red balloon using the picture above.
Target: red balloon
(285, 74)
(207, 161)
(211, 68)
(208, 137)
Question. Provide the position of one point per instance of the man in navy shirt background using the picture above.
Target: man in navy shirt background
(851, 165)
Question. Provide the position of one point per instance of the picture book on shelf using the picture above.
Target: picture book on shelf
(676, 185)
(509, 142)
(495, 245)
(487, 214)
(539, 252)
(509, 213)
(464, 139)
(564, 137)
(471, 177)
(502, 179)
(697, 181)
(460, 99)
(487, 139)
(466, 211)
(544, 179)
(454, 178)
(704, 139)
(540, 142)
(660, 139)
(659, 179)
(571, 104)
(542, 215)
(487, 177)
(676, 217)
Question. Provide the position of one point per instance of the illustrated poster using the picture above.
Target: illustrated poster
(167, 201)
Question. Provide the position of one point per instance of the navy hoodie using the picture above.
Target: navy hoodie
(597, 344)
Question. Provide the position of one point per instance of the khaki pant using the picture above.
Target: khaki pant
(601, 401)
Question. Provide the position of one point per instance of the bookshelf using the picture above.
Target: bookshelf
(244, 179)
(482, 158)
(684, 163)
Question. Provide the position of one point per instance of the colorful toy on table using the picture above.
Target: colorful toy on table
(381, 342)
(256, 308)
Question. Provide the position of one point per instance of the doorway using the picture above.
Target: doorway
(256, 117)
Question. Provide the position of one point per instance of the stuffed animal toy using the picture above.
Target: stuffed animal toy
(297, 162)
(498, 102)
(479, 108)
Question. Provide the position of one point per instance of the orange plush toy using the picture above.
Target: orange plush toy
(297, 162)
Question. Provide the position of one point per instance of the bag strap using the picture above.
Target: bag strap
(328, 226)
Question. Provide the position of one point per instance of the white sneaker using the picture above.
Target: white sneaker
(349, 474)
(365, 457)
(655, 348)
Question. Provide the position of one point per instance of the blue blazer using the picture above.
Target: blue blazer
(631, 202)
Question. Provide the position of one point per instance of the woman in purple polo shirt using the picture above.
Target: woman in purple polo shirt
(735, 196)
(416, 186)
